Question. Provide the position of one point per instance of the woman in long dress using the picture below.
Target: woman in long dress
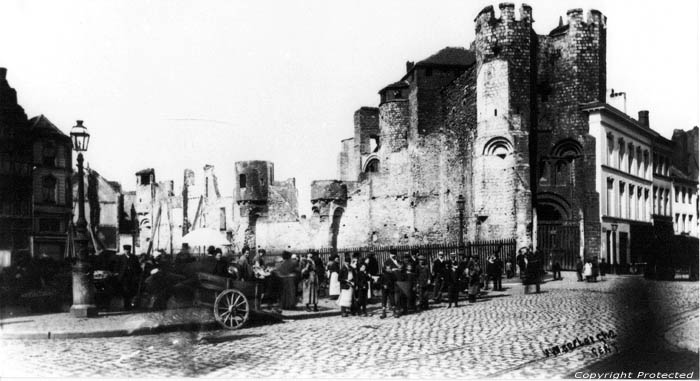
(309, 283)
(347, 287)
(333, 277)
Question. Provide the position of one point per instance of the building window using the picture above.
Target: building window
(621, 203)
(646, 163)
(48, 154)
(222, 219)
(638, 205)
(374, 143)
(639, 170)
(683, 199)
(691, 228)
(621, 154)
(677, 223)
(610, 195)
(667, 211)
(611, 150)
(630, 208)
(678, 192)
(242, 181)
(48, 189)
(372, 166)
(644, 205)
(630, 158)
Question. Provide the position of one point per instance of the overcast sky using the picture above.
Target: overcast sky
(180, 84)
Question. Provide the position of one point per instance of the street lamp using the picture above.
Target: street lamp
(460, 208)
(83, 296)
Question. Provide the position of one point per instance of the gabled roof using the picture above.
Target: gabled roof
(41, 125)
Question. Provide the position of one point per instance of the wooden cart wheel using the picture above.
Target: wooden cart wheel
(231, 309)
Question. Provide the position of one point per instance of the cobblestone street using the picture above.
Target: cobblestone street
(502, 335)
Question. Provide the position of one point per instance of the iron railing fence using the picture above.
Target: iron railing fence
(482, 249)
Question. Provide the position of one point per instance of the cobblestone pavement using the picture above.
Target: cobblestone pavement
(502, 335)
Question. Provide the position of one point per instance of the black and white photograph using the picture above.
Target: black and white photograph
(310, 189)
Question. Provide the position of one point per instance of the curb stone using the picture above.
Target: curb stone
(185, 327)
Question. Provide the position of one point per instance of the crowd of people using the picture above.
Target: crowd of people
(409, 283)
(402, 284)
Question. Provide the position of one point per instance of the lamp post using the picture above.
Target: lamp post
(83, 295)
(460, 208)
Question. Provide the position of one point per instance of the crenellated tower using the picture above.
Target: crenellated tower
(506, 67)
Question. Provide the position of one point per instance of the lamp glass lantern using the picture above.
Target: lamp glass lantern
(460, 203)
(614, 227)
(80, 137)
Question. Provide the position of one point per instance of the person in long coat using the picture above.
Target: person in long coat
(438, 275)
(347, 286)
(288, 271)
(310, 282)
(474, 272)
(362, 289)
(422, 282)
(387, 281)
(452, 279)
(579, 270)
(129, 276)
(334, 277)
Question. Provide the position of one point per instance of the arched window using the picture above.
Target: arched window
(565, 152)
(372, 165)
(48, 189)
(498, 146)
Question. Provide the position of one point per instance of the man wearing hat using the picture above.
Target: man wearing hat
(423, 280)
(392, 262)
(438, 275)
(129, 276)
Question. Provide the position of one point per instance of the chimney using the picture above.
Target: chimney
(3, 73)
(644, 118)
(409, 66)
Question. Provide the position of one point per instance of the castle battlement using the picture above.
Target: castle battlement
(487, 16)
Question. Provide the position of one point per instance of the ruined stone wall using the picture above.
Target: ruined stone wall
(348, 161)
(459, 126)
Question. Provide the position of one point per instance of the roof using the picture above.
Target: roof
(41, 125)
(146, 171)
(450, 56)
(395, 85)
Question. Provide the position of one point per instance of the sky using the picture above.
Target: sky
(175, 84)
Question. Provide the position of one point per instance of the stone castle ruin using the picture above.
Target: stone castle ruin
(499, 123)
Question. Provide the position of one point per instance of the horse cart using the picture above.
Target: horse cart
(231, 300)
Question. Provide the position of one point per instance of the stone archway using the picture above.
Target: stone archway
(558, 235)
